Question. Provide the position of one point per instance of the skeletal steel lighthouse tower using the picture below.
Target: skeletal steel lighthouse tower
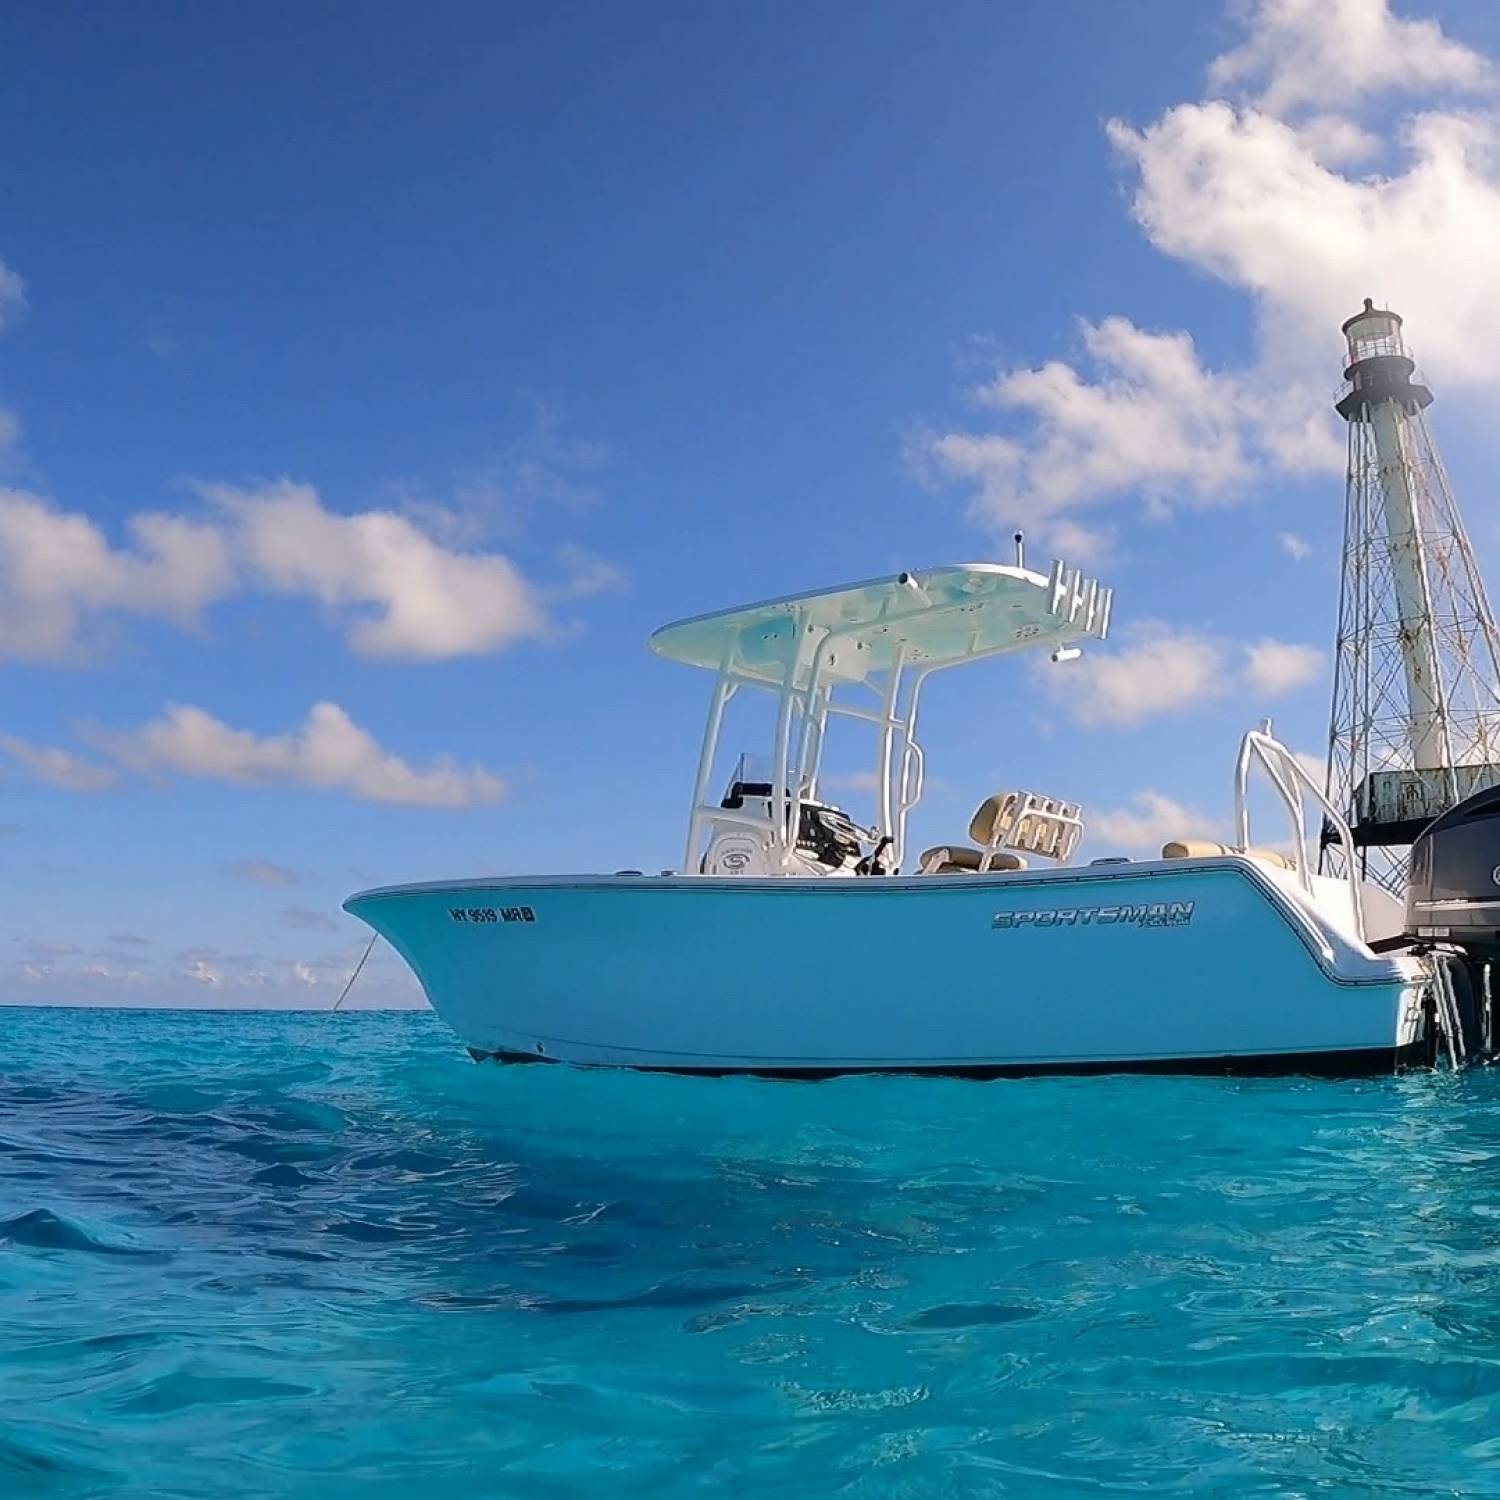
(1416, 693)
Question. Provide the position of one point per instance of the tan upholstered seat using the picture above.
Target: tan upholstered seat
(1207, 849)
(982, 824)
(1028, 822)
(959, 859)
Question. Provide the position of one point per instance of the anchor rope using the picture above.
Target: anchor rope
(344, 994)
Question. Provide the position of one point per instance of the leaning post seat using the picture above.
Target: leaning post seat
(1029, 823)
(1008, 827)
(1207, 849)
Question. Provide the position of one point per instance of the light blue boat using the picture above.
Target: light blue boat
(789, 945)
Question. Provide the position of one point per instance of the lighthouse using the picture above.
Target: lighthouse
(1415, 721)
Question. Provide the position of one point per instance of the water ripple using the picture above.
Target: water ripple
(230, 1266)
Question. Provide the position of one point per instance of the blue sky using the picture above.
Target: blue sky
(417, 362)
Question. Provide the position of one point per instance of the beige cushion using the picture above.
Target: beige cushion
(982, 825)
(1193, 849)
(1207, 848)
(1043, 830)
(956, 859)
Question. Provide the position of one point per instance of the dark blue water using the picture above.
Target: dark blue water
(230, 1267)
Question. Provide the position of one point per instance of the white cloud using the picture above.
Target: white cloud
(400, 592)
(12, 295)
(1294, 546)
(204, 972)
(57, 568)
(99, 969)
(58, 768)
(96, 970)
(1146, 419)
(1081, 545)
(1241, 195)
(1151, 819)
(1250, 190)
(1316, 766)
(1276, 667)
(1153, 419)
(1318, 53)
(411, 596)
(1161, 672)
(1335, 141)
(328, 751)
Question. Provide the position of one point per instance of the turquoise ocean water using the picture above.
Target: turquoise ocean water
(370, 1267)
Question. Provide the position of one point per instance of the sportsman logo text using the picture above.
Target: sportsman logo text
(1155, 914)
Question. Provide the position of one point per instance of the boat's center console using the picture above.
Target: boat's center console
(828, 841)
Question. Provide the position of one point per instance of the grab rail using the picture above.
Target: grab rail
(1289, 777)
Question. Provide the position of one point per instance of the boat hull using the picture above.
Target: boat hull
(1208, 966)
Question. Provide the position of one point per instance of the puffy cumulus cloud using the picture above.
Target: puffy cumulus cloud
(1276, 667)
(58, 568)
(1253, 185)
(1335, 141)
(329, 751)
(12, 295)
(1310, 53)
(1243, 196)
(59, 768)
(1149, 821)
(400, 591)
(411, 597)
(1159, 671)
(1145, 418)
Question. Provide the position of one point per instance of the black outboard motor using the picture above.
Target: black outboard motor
(1453, 901)
(1453, 893)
